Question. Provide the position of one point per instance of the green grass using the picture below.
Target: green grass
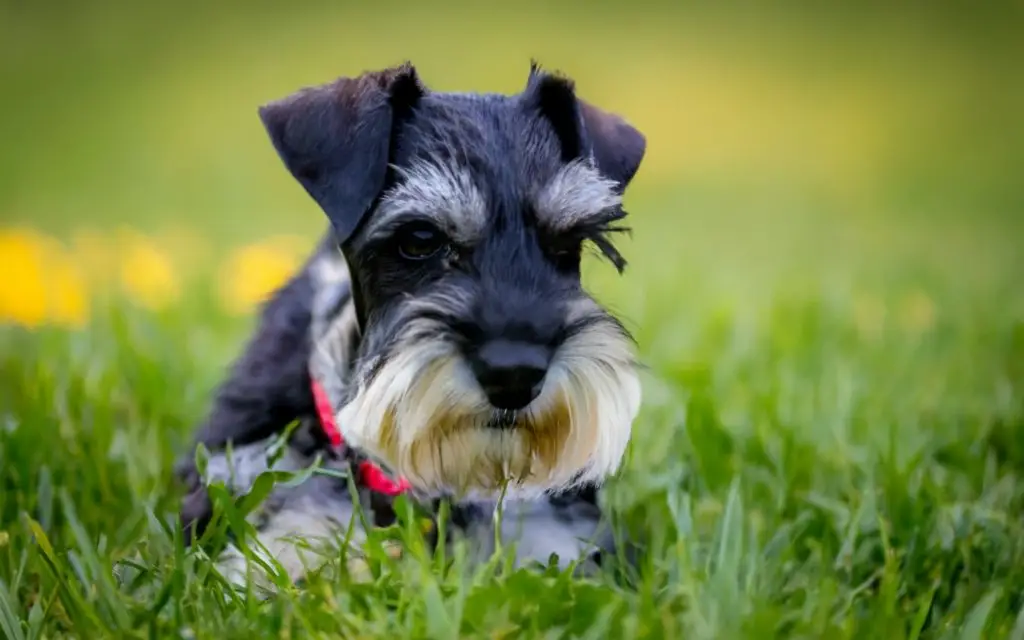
(825, 280)
(801, 468)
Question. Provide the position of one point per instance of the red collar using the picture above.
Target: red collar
(370, 474)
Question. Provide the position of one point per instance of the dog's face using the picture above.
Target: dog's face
(463, 219)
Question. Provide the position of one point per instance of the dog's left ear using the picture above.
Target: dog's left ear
(618, 147)
(335, 138)
(582, 128)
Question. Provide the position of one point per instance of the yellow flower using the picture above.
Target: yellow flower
(253, 272)
(68, 304)
(22, 290)
(146, 273)
(39, 283)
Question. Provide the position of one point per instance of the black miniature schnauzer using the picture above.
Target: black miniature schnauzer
(438, 341)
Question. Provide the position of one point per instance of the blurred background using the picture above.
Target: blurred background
(804, 138)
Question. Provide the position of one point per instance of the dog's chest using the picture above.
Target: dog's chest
(565, 527)
(539, 530)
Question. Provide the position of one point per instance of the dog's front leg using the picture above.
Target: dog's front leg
(296, 525)
(298, 533)
(268, 385)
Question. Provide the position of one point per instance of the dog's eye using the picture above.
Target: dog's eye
(419, 241)
(567, 247)
(566, 252)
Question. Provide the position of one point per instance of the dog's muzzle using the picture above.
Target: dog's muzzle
(532, 413)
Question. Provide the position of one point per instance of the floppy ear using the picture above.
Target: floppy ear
(618, 147)
(584, 129)
(335, 139)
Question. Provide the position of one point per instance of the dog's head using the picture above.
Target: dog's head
(463, 218)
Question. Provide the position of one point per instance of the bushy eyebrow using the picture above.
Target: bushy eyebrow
(578, 196)
(444, 195)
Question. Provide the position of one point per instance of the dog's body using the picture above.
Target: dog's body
(442, 316)
(316, 308)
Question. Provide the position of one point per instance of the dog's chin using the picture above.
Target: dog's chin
(503, 419)
(425, 418)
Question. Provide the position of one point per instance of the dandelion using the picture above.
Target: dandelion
(23, 291)
(67, 295)
(146, 272)
(39, 282)
(253, 272)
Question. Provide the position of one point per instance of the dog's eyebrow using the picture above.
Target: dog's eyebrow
(577, 195)
(445, 195)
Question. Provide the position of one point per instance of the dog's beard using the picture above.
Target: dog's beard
(424, 416)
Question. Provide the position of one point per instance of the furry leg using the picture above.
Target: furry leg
(268, 386)
(296, 525)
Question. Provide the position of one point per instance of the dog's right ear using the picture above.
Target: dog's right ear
(583, 128)
(335, 139)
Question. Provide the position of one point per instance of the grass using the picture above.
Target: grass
(821, 452)
(824, 280)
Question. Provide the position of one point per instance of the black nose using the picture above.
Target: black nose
(511, 373)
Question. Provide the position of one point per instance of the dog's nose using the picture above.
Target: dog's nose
(511, 373)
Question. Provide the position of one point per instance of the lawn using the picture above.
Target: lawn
(825, 280)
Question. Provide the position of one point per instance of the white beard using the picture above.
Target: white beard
(425, 418)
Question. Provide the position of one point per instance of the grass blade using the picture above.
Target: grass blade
(10, 623)
(974, 624)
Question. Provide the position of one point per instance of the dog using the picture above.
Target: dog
(438, 341)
